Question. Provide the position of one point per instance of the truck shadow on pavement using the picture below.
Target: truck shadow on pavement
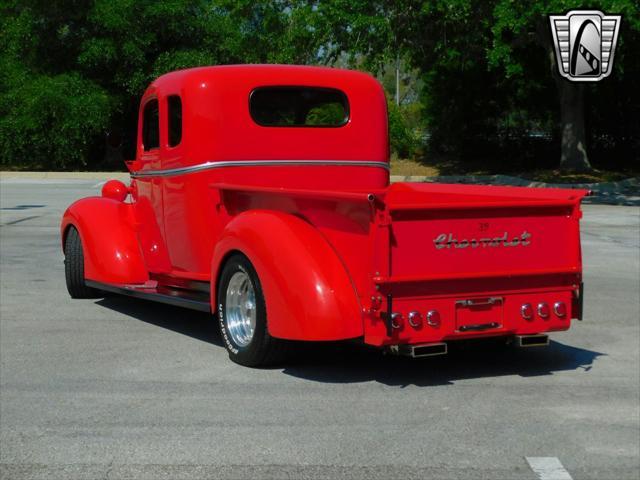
(353, 364)
(198, 325)
(349, 362)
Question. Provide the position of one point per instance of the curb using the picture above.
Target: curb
(8, 175)
(624, 192)
(516, 181)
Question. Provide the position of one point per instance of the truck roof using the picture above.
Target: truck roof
(262, 73)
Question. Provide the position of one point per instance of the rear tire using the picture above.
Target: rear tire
(74, 267)
(243, 316)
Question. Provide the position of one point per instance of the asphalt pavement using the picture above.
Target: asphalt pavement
(123, 388)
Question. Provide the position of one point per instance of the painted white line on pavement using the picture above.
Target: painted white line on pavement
(99, 185)
(548, 468)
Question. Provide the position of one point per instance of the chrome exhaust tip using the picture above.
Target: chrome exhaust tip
(523, 341)
(420, 350)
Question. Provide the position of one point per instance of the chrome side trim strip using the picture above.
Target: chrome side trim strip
(258, 163)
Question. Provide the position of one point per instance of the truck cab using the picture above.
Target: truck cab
(261, 194)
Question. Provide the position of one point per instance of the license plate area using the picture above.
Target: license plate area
(479, 314)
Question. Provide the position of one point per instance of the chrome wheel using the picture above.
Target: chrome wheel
(240, 309)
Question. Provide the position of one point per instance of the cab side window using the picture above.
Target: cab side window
(151, 126)
(175, 120)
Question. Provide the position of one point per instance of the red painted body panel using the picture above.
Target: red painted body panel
(108, 233)
(307, 289)
(313, 210)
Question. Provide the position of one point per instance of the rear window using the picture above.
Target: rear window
(298, 107)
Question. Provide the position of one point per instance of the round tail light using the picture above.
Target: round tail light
(543, 310)
(433, 318)
(396, 320)
(415, 319)
(526, 311)
(560, 308)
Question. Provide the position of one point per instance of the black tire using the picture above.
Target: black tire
(262, 349)
(74, 267)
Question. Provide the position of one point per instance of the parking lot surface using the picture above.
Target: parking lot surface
(123, 388)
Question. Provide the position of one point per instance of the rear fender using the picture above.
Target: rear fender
(110, 245)
(308, 292)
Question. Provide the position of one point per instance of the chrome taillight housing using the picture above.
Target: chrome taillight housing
(397, 320)
(560, 309)
(543, 310)
(433, 318)
(415, 319)
(526, 311)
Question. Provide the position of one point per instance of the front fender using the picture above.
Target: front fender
(308, 292)
(110, 245)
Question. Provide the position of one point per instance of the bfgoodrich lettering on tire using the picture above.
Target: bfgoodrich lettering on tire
(243, 316)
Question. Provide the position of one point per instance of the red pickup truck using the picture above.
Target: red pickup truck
(261, 194)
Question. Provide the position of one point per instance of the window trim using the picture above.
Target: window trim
(345, 98)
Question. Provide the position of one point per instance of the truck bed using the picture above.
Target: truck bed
(476, 255)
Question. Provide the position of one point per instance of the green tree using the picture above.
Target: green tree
(488, 67)
(520, 25)
(446, 41)
(70, 71)
(45, 119)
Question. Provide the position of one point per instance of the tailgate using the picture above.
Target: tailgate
(460, 231)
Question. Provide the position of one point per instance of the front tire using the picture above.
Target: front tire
(243, 316)
(74, 267)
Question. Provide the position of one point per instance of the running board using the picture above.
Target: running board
(192, 299)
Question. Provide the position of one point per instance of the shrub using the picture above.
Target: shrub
(404, 141)
(52, 122)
